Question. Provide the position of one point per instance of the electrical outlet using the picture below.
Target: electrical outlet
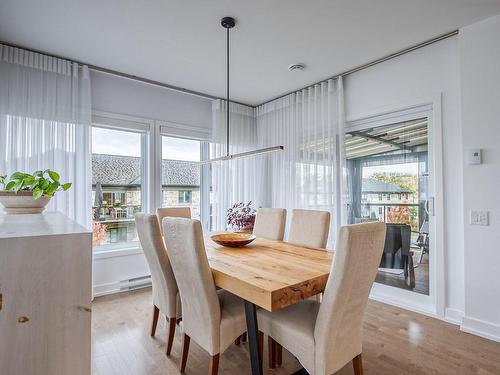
(479, 218)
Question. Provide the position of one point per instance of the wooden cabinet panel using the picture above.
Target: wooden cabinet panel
(45, 320)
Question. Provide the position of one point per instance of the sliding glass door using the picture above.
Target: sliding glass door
(388, 180)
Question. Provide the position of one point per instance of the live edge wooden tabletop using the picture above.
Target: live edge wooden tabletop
(270, 274)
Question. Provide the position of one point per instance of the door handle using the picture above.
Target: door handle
(429, 206)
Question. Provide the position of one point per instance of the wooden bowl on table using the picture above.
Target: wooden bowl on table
(236, 239)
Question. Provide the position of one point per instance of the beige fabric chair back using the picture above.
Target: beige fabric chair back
(200, 305)
(172, 212)
(309, 228)
(270, 223)
(164, 284)
(338, 330)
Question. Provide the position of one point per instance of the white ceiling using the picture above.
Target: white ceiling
(182, 43)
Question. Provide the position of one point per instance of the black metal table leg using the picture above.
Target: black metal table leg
(302, 371)
(253, 335)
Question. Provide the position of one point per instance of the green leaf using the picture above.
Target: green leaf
(17, 176)
(52, 188)
(10, 185)
(38, 174)
(66, 186)
(29, 180)
(18, 185)
(37, 193)
(54, 175)
(45, 184)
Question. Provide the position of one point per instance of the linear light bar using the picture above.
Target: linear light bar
(243, 154)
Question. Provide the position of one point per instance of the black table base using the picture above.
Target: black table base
(253, 340)
(253, 335)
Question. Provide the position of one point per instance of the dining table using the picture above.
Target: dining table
(268, 274)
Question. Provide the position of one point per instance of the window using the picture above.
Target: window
(184, 196)
(117, 186)
(180, 177)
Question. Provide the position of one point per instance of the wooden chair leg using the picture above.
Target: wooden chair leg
(357, 363)
(185, 351)
(154, 323)
(237, 341)
(271, 349)
(279, 354)
(244, 337)
(213, 369)
(171, 334)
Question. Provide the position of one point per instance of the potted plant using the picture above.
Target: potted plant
(241, 217)
(26, 193)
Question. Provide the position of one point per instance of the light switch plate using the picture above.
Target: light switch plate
(479, 218)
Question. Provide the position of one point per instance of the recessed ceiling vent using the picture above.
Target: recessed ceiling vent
(296, 67)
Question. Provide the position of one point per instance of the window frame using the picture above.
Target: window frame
(145, 128)
(184, 131)
(151, 194)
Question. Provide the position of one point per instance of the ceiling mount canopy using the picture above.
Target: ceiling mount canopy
(228, 23)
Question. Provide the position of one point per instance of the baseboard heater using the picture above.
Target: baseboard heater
(135, 283)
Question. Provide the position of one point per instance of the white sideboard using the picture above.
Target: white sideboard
(45, 295)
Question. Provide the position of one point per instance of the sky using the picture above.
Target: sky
(124, 143)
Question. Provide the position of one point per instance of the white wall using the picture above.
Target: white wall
(411, 79)
(480, 81)
(128, 97)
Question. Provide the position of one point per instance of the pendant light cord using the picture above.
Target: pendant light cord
(227, 92)
(228, 23)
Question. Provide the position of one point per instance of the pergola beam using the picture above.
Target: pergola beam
(381, 140)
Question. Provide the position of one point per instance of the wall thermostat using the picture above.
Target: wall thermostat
(474, 156)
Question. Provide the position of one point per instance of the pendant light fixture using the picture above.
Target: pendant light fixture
(228, 23)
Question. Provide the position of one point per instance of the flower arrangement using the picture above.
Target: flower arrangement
(241, 216)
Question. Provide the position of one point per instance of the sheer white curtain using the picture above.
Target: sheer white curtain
(308, 173)
(233, 180)
(45, 115)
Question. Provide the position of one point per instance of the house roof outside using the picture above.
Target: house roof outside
(370, 185)
(126, 171)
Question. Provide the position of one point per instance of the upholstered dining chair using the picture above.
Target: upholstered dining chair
(270, 223)
(165, 292)
(163, 212)
(309, 228)
(213, 319)
(326, 336)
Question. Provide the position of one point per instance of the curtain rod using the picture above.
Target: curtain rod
(207, 96)
(372, 63)
(124, 75)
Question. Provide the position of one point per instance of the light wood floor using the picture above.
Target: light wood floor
(395, 342)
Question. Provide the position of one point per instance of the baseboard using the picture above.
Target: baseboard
(481, 328)
(121, 286)
(453, 316)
